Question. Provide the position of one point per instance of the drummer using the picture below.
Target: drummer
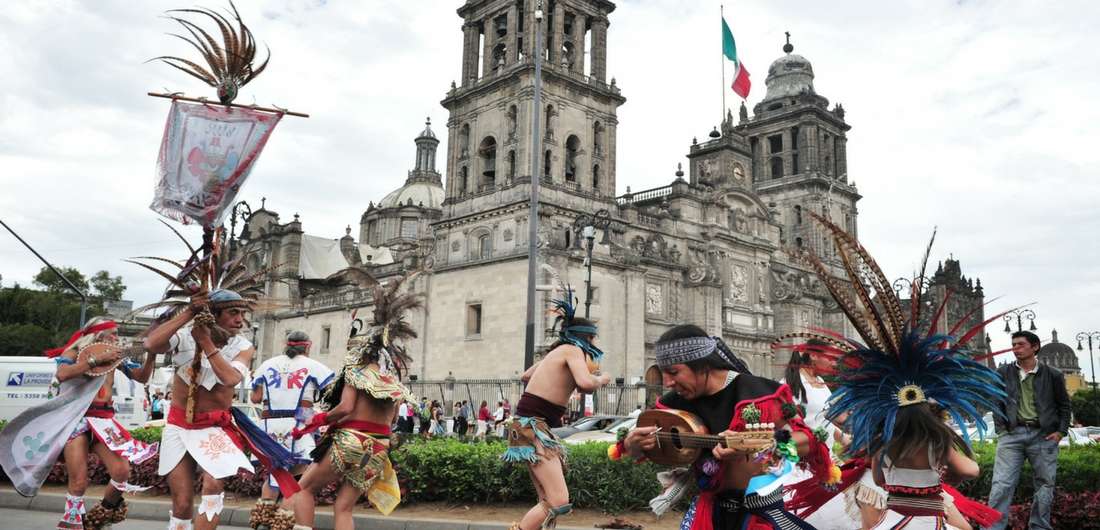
(706, 379)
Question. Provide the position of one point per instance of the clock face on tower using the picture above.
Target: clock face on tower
(737, 171)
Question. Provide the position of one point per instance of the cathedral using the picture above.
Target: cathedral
(712, 247)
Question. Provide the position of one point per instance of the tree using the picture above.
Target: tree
(106, 287)
(1086, 406)
(51, 282)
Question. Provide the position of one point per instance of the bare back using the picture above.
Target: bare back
(553, 378)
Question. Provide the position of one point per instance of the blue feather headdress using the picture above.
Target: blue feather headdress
(568, 331)
(897, 364)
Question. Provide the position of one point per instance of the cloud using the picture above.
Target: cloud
(977, 117)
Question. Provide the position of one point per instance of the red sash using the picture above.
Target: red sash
(224, 420)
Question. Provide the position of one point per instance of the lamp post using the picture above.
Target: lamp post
(243, 210)
(1020, 315)
(585, 227)
(906, 284)
(533, 216)
(1089, 336)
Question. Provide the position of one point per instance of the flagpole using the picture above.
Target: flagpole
(722, 57)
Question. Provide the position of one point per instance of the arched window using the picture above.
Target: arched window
(484, 246)
(511, 164)
(572, 146)
(777, 167)
(596, 176)
(550, 121)
(797, 215)
(798, 242)
(546, 166)
(488, 153)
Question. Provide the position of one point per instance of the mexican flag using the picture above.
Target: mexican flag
(741, 82)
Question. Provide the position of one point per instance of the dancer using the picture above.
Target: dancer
(203, 432)
(737, 489)
(287, 385)
(895, 391)
(571, 364)
(78, 422)
(359, 407)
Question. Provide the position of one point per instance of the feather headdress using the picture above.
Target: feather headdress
(381, 340)
(568, 329)
(227, 277)
(896, 364)
(229, 63)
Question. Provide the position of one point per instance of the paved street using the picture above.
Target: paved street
(32, 520)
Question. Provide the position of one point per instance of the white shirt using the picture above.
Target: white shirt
(1025, 373)
(184, 346)
(403, 410)
(499, 414)
(289, 381)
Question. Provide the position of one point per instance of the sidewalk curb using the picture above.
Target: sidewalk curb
(157, 510)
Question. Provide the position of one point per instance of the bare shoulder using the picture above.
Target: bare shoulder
(565, 351)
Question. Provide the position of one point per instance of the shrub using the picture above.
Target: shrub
(1078, 469)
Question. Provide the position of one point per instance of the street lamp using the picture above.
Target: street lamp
(1020, 315)
(1089, 336)
(585, 226)
(242, 210)
(906, 284)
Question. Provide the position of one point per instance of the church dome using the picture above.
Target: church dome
(427, 132)
(426, 194)
(1059, 355)
(790, 75)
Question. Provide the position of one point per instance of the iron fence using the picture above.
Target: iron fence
(618, 399)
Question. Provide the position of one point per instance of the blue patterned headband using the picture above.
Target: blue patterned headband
(682, 351)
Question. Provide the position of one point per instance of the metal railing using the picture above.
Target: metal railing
(645, 195)
(612, 399)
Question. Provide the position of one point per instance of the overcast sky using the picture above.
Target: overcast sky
(978, 117)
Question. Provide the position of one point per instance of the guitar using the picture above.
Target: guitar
(681, 437)
(100, 349)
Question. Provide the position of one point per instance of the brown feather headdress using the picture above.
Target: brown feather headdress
(381, 340)
(229, 64)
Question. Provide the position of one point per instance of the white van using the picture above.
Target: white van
(27, 381)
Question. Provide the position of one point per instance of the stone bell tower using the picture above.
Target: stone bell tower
(489, 130)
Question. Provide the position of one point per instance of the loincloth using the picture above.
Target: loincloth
(530, 441)
(362, 460)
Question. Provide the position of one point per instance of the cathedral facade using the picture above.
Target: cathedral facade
(712, 247)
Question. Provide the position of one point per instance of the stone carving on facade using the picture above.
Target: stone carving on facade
(740, 221)
(653, 299)
(700, 268)
(762, 282)
(674, 254)
(739, 283)
(512, 122)
(674, 303)
(455, 246)
(507, 234)
(655, 247)
(707, 169)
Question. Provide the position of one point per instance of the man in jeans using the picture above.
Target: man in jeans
(1036, 417)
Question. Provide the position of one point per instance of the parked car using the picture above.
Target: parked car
(1082, 436)
(590, 423)
(608, 434)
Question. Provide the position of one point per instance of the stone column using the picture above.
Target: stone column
(812, 135)
(579, 23)
(555, 43)
(842, 157)
(599, 48)
(608, 181)
(513, 35)
(469, 53)
(487, 51)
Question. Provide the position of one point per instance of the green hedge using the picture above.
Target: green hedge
(454, 471)
(1078, 471)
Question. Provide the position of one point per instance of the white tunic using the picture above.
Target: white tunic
(184, 346)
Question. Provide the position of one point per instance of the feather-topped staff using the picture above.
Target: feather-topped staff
(230, 64)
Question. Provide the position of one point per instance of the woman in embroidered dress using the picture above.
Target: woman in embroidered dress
(359, 408)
